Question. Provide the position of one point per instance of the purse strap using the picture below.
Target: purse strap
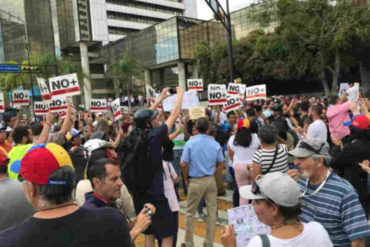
(265, 240)
(273, 160)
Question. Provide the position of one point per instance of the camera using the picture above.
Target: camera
(172, 91)
(148, 211)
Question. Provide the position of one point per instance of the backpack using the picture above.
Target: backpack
(134, 156)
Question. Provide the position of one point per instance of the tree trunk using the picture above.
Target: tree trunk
(365, 77)
(335, 74)
(324, 83)
(116, 84)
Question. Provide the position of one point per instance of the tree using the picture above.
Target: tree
(314, 31)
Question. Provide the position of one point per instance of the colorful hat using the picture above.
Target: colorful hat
(72, 133)
(41, 161)
(243, 123)
(359, 121)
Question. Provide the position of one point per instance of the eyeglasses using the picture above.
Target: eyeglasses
(308, 147)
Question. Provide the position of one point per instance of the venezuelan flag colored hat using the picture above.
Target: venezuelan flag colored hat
(41, 161)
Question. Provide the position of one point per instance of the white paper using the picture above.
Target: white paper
(98, 105)
(190, 99)
(116, 109)
(246, 224)
(21, 97)
(217, 94)
(233, 103)
(45, 94)
(195, 84)
(41, 108)
(66, 85)
(58, 104)
(256, 92)
(342, 88)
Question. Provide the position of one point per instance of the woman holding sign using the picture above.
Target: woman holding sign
(276, 201)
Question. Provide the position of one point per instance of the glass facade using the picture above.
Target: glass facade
(146, 6)
(14, 43)
(66, 23)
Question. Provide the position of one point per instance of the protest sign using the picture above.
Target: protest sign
(246, 224)
(195, 84)
(45, 94)
(233, 103)
(256, 92)
(189, 99)
(125, 109)
(58, 104)
(196, 112)
(236, 89)
(217, 94)
(116, 109)
(21, 97)
(342, 88)
(41, 108)
(98, 105)
(66, 85)
(2, 102)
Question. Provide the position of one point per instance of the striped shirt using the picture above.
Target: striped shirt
(337, 208)
(265, 157)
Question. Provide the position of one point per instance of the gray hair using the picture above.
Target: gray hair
(268, 134)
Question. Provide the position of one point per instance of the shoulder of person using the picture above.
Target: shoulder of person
(256, 241)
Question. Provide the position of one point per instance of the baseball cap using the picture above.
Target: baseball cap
(359, 121)
(72, 133)
(309, 147)
(243, 123)
(41, 161)
(276, 186)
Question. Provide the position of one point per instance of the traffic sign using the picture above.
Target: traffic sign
(10, 68)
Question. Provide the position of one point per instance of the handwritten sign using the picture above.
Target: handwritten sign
(246, 224)
(217, 94)
(256, 92)
(41, 108)
(45, 94)
(21, 97)
(2, 102)
(233, 103)
(98, 105)
(66, 85)
(189, 99)
(195, 84)
(196, 112)
(116, 109)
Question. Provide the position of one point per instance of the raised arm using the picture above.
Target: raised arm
(161, 98)
(176, 110)
(43, 138)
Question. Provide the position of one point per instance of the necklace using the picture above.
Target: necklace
(60, 206)
(319, 188)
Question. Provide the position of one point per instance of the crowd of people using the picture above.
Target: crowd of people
(89, 180)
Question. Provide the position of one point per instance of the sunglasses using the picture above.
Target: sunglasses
(257, 191)
(310, 148)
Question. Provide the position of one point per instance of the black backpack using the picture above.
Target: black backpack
(134, 155)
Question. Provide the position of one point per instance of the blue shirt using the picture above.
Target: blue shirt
(202, 154)
(337, 208)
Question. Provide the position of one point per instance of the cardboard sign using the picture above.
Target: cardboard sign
(233, 103)
(236, 89)
(41, 108)
(196, 112)
(45, 94)
(116, 109)
(21, 97)
(98, 105)
(66, 85)
(342, 88)
(217, 94)
(246, 224)
(256, 92)
(58, 104)
(195, 84)
(189, 99)
(2, 102)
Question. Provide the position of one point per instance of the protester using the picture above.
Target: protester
(328, 198)
(48, 184)
(317, 129)
(5, 146)
(276, 201)
(201, 160)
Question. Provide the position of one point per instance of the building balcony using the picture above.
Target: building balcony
(137, 12)
(127, 24)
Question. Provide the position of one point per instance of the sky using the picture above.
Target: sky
(205, 13)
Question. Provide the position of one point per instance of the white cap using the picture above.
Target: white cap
(276, 186)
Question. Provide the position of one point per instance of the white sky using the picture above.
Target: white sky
(205, 13)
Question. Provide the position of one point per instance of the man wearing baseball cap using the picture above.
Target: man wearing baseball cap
(48, 181)
(328, 198)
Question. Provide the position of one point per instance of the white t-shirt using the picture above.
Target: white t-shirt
(317, 129)
(169, 188)
(243, 155)
(313, 234)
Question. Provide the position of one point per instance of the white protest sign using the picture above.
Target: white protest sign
(236, 89)
(196, 112)
(58, 104)
(342, 88)
(21, 97)
(98, 105)
(66, 85)
(125, 109)
(150, 92)
(45, 94)
(41, 108)
(2, 102)
(256, 92)
(195, 84)
(217, 94)
(233, 103)
(189, 99)
(246, 224)
(116, 109)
